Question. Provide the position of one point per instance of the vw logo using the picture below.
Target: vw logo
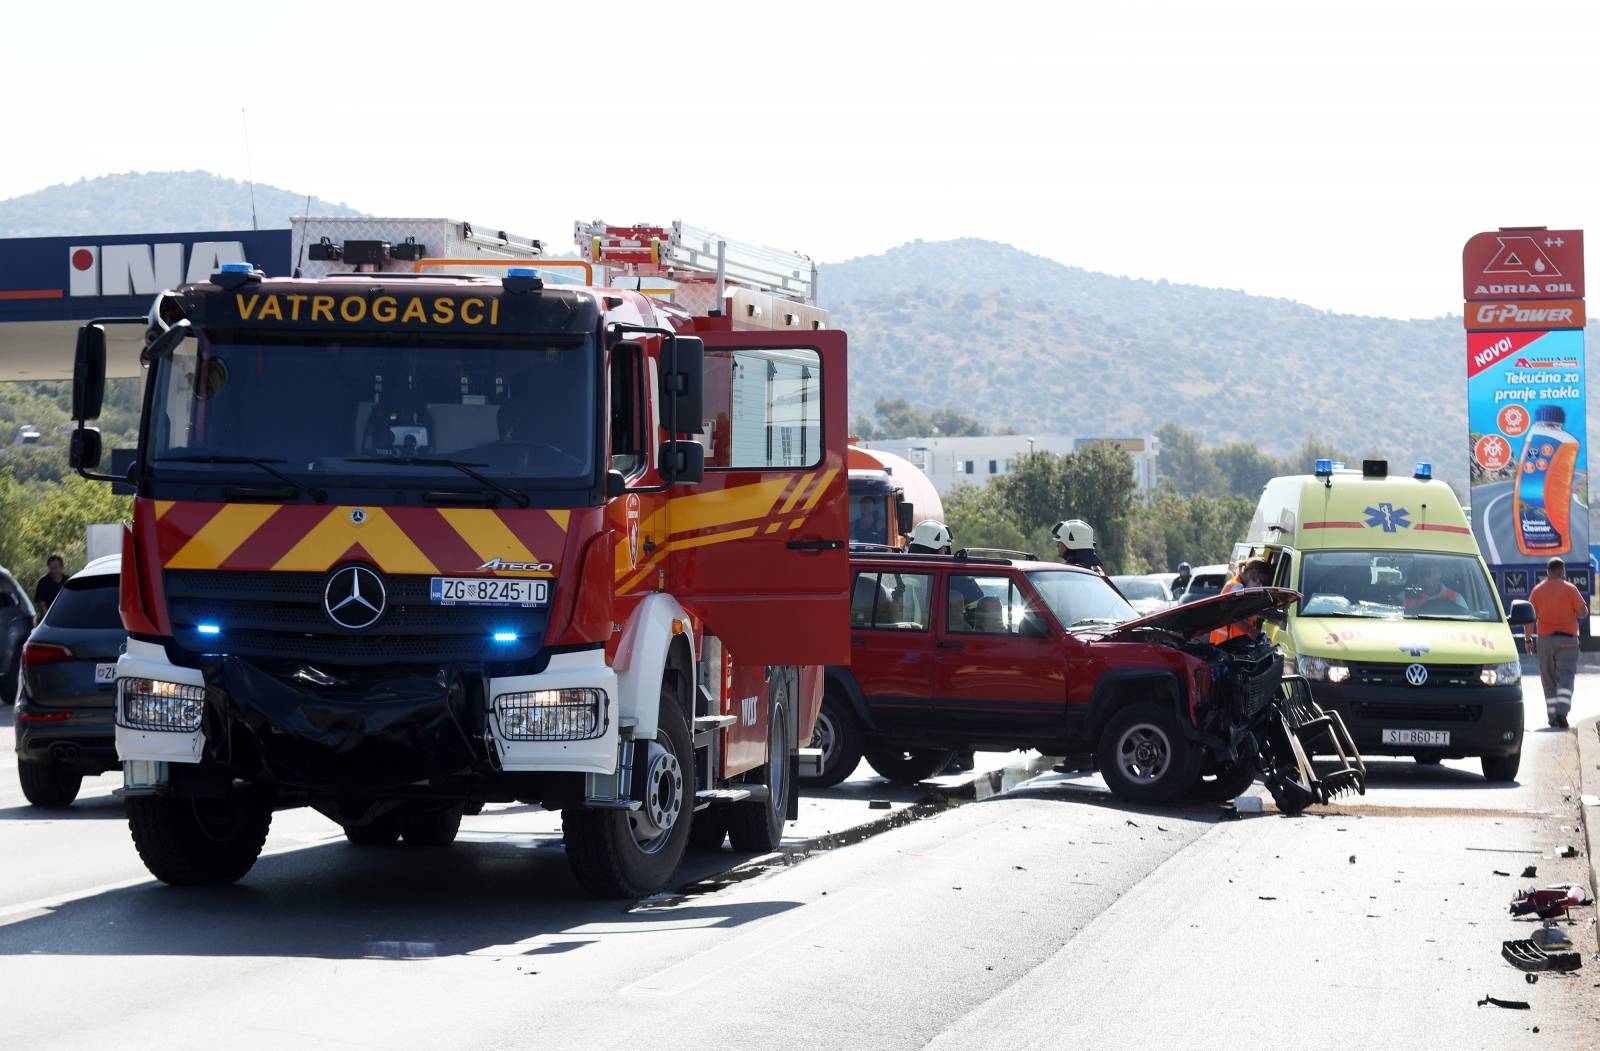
(355, 597)
(1416, 674)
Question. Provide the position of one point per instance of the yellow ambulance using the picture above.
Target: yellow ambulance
(1398, 627)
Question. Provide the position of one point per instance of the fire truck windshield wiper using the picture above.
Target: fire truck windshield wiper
(520, 499)
(319, 495)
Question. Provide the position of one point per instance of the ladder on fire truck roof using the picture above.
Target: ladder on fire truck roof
(693, 255)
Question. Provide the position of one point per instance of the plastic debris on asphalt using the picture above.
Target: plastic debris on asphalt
(1249, 805)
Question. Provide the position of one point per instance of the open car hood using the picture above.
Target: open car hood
(1211, 613)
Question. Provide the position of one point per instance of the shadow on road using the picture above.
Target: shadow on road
(335, 901)
(97, 808)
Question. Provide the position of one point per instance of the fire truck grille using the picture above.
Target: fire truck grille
(281, 615)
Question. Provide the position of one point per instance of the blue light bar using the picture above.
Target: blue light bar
(1424, 470)
(1324, 468)
(237, 268)
(505, 636)
(208, 629)
(522, 271)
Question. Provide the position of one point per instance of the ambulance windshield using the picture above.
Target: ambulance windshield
(1395, 584)
(522, 414)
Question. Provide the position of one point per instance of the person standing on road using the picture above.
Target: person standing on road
(1252, 573)
(1075, 544)
(49, 585)
(1557, 606)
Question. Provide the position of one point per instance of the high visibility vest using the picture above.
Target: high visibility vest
(1242, 629)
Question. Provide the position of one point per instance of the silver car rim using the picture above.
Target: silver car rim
(663, 800)
(824, 736)
(1144, 753)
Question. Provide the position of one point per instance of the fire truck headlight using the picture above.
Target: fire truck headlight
(551, 715)
(151, 704)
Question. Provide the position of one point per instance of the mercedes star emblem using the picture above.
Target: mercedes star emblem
(355, 597)
(1416, 674)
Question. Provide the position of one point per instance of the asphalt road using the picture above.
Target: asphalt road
(1042, 915)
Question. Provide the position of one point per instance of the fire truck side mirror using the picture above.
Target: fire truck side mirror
(84, 452)
(683, 462)
(905, 511)
(89, 373)
(683, 384)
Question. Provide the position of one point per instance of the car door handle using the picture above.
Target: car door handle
(948, 645)
(814, 545)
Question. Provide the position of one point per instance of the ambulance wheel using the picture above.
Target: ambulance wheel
(431, 828)
(838, 735)
(200, 842)
(384, 832)
(1144, 756)
(756, 826)
(907, 766)
(1502, 767)
(629, 854)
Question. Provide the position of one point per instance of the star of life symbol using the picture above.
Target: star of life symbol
(1388, 517)
(1416, 649)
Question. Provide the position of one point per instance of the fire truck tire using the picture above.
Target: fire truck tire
(709, 829)
(199, 842)
(48, 784)
(623, 854)
(1144, 756)
(431, 828)
(383, 832)
(838, 734)
(906, 766)
(757, 827)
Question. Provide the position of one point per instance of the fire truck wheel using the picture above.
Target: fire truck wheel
(906, 766)
(623, 854)
(709, 828)
(200, 842)
(1144, 756)
(431, 828)
(380, 833)
(838, 734)
(756, 827)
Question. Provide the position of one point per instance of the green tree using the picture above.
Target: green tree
(978, 517)
(1183, 464)
(1035, 491)
(1245, 468)
(1099, 485)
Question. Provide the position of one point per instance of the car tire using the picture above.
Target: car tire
(1502, 768)
(628, 854)
(11, 681)
(838, 734)
(199, 842)
(756, 826)
(1144, 756)
(48, 784)
(430, 828)
(906, 766)
(1222, 781)
(384, 832)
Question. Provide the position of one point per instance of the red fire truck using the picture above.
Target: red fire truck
(409, 539)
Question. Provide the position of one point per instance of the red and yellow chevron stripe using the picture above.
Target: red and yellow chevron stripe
(313, 538)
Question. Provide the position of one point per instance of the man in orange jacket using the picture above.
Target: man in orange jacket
(1252, 574)
(1558, 606)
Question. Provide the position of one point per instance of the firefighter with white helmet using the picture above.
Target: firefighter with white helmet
(931, 538)
(1075, 544)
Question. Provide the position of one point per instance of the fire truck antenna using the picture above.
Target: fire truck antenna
(301, 255)
(249, 168)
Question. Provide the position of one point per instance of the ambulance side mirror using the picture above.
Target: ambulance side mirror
(1521, 614)
(89, 374)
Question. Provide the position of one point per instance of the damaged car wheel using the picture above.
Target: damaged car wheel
(1223, 780)
(1144, 756)
(906, 766)
(200, 842)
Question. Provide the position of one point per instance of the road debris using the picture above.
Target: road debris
(1525, 955)
(1549, 903)
(1531, 872)
(1249, 805)
(878, 804)
(1497, 872)
(1569, 852)
(1510, 1005)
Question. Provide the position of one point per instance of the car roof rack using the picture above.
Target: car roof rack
(960, 556)
(997, 552)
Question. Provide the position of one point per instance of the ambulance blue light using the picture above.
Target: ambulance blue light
(237, 268)
(522, 271)
(1324, 468)
(505, 636)
(1424, 470)
(208, 629)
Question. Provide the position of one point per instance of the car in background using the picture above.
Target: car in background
(1204, 582)
(16, 620)
(66, 705)
(955, 652)
(1146, 594)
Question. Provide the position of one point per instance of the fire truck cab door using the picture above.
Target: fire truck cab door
(760, 549)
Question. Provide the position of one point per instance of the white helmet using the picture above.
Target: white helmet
(931, 535)
(1075, 533)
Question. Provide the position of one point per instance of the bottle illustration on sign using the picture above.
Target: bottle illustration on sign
(1544, 484)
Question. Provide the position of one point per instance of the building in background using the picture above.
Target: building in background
(949, 462)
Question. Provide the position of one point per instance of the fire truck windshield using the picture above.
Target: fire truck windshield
(517, 415)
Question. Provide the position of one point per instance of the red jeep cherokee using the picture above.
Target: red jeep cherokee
(993, 653)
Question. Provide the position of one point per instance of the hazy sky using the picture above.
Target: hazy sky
(1334, 153)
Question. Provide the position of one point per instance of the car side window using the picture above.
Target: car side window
(891, 601)
(983, 605)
